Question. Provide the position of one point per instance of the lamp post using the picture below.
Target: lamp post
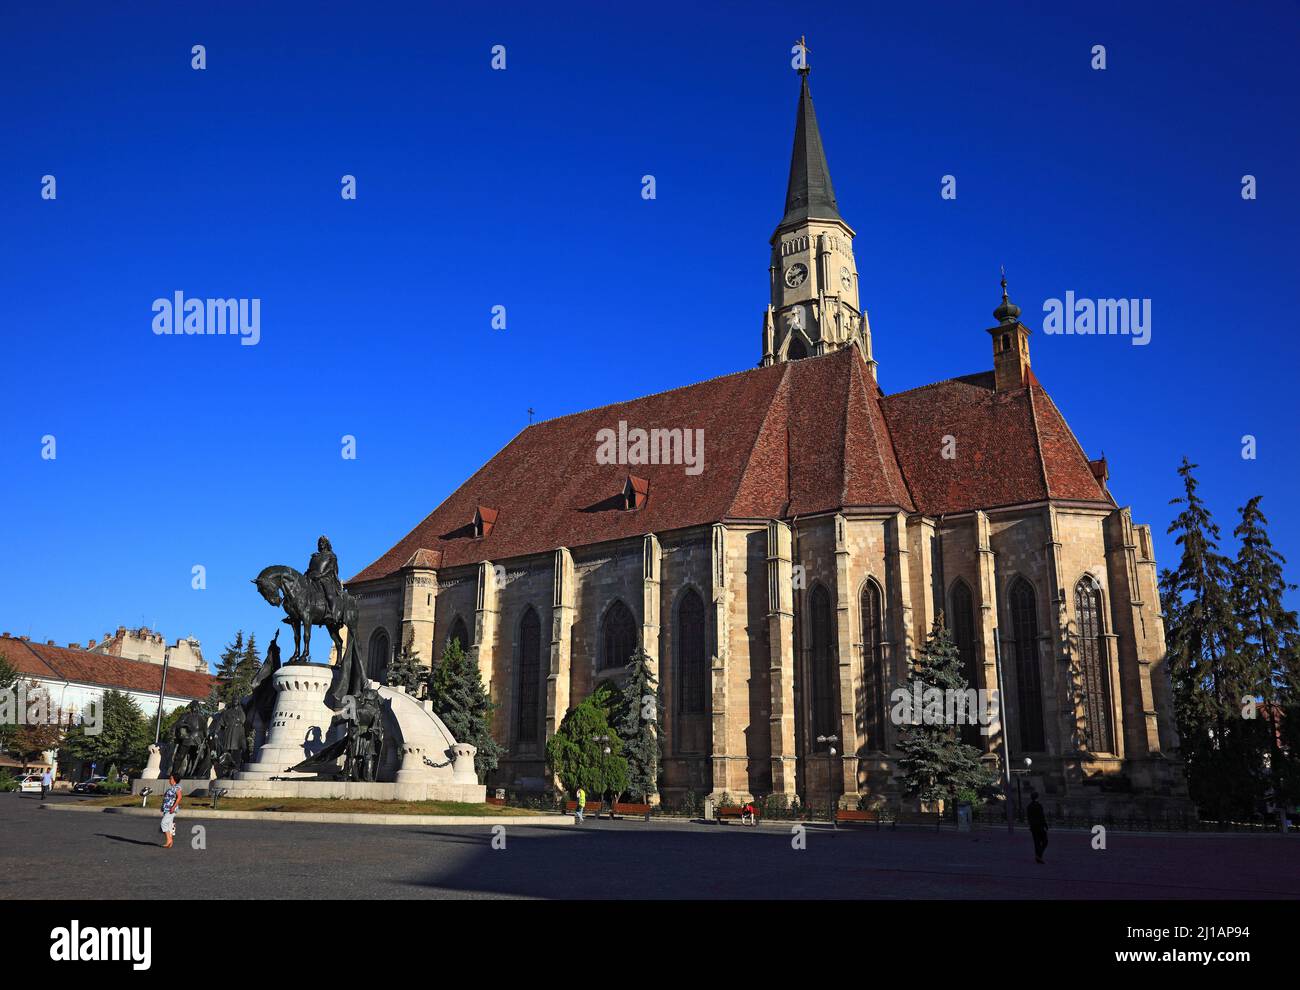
(603, 742)
(162, 690)
(830, 774)
(1019, 774)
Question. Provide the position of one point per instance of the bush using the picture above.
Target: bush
(8, 782)
(113, 787)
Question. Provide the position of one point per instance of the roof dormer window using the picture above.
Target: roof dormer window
(635, 492)
(484, 520)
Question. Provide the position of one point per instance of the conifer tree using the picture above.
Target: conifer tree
(1204, 666)
(228, 670)
(1269, 641)
(637, 719)
(577, 755)
(935, 763)
(458, 696)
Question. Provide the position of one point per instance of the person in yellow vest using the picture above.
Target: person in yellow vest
(582, 804)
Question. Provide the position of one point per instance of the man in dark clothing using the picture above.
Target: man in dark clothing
(1037, 825)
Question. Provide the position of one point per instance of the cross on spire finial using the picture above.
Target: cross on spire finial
(530, 415)
(802, 45)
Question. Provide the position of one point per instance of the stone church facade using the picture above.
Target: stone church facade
(783, 590)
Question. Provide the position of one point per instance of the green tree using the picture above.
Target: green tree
(934, 762)
(230, 671)
(577, 754)
(8, 682)
(458, 696)
(123, 739)
(1206, 669)
(637, 716)
(1269, 641)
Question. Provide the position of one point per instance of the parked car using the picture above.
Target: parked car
(88, 786)
(30, 784)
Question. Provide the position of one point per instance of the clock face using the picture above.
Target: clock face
(846, 279)
(795, 275)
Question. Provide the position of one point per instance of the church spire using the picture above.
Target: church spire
(809, 194)
(813, 278)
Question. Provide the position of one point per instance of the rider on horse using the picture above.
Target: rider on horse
(323, 572)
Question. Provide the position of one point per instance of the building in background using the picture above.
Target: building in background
(150, 646)
(74, 678)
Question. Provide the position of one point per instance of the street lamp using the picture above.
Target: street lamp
(1020, 774)
(830, 774)
(603, 742)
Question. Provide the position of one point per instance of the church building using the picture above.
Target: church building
(785, 586)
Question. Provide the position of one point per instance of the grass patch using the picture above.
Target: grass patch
(340, 806)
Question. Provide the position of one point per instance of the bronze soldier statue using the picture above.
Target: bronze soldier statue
(323, 572)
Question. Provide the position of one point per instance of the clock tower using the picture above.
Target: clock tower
(813, 278)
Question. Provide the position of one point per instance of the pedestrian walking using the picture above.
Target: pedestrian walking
(581, 806)
(1037, 826)
(47, 781)
(171, 804)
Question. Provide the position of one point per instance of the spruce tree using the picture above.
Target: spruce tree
(935, 763)
(459, 698)
(1269, 642)
(228, 670)
(638, 716)
(1204, 666)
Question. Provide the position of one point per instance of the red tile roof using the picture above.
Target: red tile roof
(57, 663)
(791, 439)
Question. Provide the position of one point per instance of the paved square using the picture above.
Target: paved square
(50, 854)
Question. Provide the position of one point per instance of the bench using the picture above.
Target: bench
(917, 818)
(725, 812)
(630, 809)
(860, 817)
(594, 808)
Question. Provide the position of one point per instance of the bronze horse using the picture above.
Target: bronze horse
(305, 606)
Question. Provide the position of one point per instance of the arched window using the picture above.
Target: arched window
(458, 632)
(618, 637)
(1029, 693)
(692, 667)
(873, 667)
(962, 624)
(378, 655)
(825, 670)
(796, 350)
(1092, 663)
(528, 708)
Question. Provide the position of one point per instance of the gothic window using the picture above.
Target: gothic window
(1092, 663)
(458, 632)
(962, 624)
(825, 670)
(796, 351)
(873, 666)
(692, 668)
(528, 710)
(1029, 694)
(377, 656)
(618, 637)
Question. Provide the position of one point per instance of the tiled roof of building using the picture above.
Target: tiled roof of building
(41, 660)
(788, 440)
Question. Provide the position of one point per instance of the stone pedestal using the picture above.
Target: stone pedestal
(299, 726)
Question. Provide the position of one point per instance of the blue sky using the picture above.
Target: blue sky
(521, 188)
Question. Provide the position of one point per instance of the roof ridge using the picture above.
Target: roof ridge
(945, 381)
(1038, 443)
(860, 369)
(782, 385)
(1069, 430)
(648, 395)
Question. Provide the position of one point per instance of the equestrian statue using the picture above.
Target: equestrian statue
(317, 598)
